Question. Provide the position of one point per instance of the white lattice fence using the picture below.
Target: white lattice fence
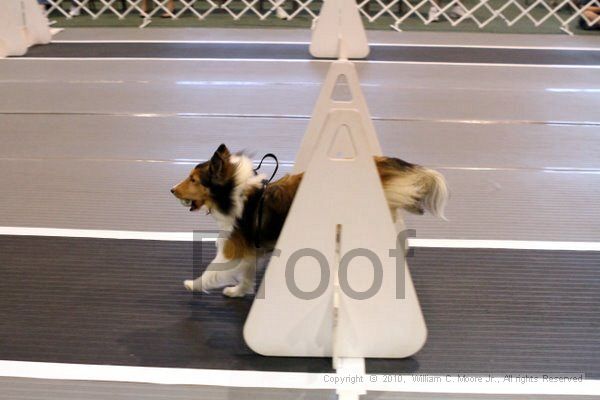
(395, 13)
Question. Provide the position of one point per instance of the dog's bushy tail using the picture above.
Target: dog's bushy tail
(412, 187)
(435, 193)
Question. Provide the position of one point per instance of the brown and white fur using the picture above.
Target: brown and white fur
(229, 189)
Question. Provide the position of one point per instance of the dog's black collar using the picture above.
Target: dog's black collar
(261, 200)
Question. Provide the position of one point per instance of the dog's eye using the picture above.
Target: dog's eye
(192, 180)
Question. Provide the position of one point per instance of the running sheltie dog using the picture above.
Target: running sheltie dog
(232, 192)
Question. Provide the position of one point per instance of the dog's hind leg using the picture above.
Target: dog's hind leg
(246, 275)
(216, 276)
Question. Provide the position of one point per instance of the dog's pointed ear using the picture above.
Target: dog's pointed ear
(223, 151)
(218, 160)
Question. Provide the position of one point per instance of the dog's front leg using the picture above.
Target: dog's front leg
(221, 272)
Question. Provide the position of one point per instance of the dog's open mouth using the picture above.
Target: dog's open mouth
(189, 203)
(186, 202)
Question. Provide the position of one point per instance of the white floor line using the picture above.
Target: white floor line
(460, 46)
(504, 244)
(565, 66)
(290, 380)
(98, 234)
(113, 41)
(207, 236)
(305, 117)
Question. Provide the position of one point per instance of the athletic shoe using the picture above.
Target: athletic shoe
(434, 14)
(457, 12)
(280, 12)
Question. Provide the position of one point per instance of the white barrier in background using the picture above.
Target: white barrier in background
(392, 13)
(13, 40)
(339, 18)
(37, 29)
(22, 24)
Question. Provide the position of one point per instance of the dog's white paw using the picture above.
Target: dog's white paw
(193, 286)
(237, 291)
(189, 285)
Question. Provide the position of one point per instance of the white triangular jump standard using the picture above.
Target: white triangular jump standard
(37, 27)
(13, 40)
(22, 24)
(339, 226)
(339, 19)
(336, 245)
(338, 284)
(326, 102)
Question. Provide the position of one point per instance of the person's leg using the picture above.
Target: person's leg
(455, 12)
(590, 15)
(75, 9)
(170, 7)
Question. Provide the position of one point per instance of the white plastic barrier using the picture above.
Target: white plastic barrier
(37, 27)
(352, 296)
(350, 235)
(338, 235)
(22, 24)
(339, 18)
(12, 29)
